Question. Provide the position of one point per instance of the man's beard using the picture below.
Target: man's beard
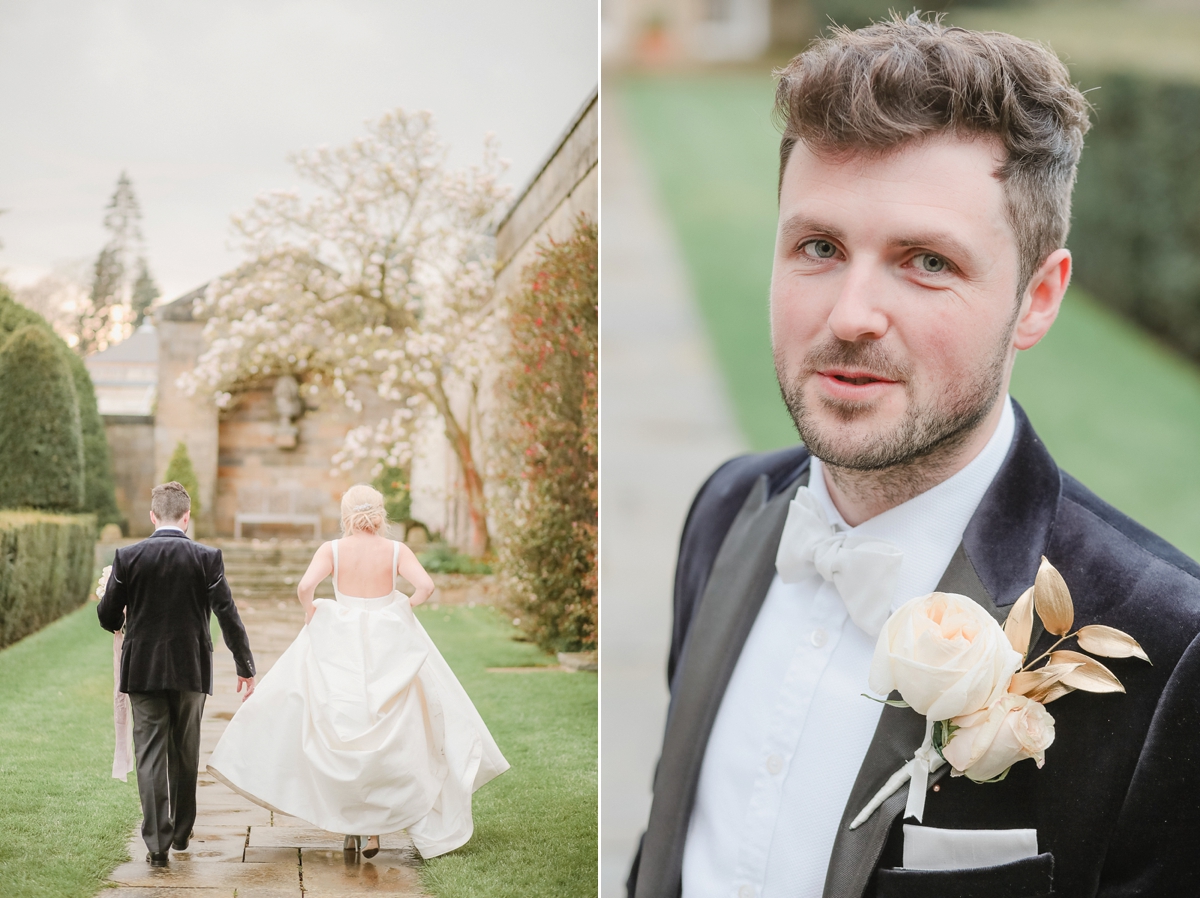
(934, 429)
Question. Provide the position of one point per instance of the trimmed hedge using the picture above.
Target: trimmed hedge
(46, 567)
(100, 495)
(41, 445)
(1135, 231)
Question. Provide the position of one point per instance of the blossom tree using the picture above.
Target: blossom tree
(379, 277)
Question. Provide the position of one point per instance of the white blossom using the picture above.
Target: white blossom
(378, 278)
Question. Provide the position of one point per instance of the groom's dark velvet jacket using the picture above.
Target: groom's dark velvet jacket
(1117, 804)
(163, 589)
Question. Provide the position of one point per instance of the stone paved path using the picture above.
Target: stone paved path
(666, 424)
(243, 851)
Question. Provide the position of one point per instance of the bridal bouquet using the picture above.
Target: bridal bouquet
(983, 701)
(102, 583)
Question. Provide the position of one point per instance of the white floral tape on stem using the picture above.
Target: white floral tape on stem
(924, 762)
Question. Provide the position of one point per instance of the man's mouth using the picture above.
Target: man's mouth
(856, 378)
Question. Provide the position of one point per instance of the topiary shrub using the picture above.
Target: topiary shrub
(99, 491)
(41, 444)
(46, 567)
(393, 483)
(547, 446)
(442, 558)
(180, 469)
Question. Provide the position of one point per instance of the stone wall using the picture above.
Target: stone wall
(241, 464)
(255, 473)
(567, 185)
(179, 417)
(131, 443)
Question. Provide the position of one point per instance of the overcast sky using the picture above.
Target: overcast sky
(202, 102)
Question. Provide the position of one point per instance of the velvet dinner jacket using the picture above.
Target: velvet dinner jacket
(164, 589)
(1117, 804)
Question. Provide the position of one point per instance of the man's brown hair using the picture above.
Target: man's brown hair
(170, 502)
(905, 79)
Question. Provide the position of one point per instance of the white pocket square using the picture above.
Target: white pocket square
(929, 848)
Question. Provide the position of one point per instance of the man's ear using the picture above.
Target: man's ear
(1043, 298)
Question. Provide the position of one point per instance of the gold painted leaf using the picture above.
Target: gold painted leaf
(1053, 600)
(1051, 693)
(1090, 676)
(1018, 626)
(1026, 682)
(1110, 642)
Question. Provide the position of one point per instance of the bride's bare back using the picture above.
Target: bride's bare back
(364, 570)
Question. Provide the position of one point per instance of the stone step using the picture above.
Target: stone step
(284, 575)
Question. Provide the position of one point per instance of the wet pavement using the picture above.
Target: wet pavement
(240, 850)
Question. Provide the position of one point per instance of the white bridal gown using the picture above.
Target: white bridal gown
(362, 728)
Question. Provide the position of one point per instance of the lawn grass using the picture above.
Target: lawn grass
(1116, 409)
(713, 153)
(64, 821)
(536, 825)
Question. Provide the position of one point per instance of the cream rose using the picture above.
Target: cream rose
(946, 656)
(102, 583)
(988, 742)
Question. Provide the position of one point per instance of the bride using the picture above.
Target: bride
(361, 726)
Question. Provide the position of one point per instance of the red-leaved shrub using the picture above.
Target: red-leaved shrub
(547, 446)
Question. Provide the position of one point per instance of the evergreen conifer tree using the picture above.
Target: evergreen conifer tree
(180, 469)
(41, 443)
(145, 291)
(119, 274)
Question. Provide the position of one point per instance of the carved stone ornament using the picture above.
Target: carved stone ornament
(289, 407)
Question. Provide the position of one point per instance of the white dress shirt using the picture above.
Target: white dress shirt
(793, 726)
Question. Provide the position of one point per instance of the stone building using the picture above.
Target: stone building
(263, 465)
(664, 31)
(126, 381)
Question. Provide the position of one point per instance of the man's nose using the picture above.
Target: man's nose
(857, 312)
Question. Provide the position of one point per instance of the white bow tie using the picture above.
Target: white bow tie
(864, 570)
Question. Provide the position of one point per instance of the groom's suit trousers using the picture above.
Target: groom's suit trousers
(166, 741)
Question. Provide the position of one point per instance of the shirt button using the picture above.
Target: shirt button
(746, 891)
(818, 637)
(774, 763)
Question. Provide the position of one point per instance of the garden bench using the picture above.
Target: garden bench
(273, 511)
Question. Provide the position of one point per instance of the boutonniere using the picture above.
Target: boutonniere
(984, 703)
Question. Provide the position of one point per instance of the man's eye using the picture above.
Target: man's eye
(819, 249)
(930, 263)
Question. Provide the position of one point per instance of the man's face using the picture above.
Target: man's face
(893, 299)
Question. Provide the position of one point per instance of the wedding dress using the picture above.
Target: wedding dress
(362, 728)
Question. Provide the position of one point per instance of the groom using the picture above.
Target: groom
(162, 591)
(924, 200)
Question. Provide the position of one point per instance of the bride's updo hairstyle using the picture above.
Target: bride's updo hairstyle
(362, 510)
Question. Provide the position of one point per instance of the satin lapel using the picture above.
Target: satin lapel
(740, 578)
(898, 735)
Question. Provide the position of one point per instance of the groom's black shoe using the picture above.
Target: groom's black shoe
(157, 858)
(182, 844)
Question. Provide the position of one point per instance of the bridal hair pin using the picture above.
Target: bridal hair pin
(366, 506)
